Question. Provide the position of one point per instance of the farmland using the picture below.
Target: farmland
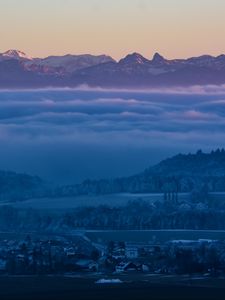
(60, 204)
(65, 203)
(153, 236)
(131, 236)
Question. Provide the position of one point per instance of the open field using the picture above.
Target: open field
(66, 203)
(112, 200)
(156, 236)
(132, 236)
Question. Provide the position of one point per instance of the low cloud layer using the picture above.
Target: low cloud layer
(69, 135)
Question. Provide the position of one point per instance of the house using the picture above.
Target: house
(126, 267)
(70, 252)
(131, 252)
(86, 264)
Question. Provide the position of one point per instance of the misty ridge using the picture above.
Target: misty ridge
(190, 173)
(67, 136)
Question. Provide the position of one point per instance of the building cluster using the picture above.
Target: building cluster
(78, 254)
(46, 256)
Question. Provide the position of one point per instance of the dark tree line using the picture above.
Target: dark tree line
(135, 215)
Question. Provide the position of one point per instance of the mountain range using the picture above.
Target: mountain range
(18, 70)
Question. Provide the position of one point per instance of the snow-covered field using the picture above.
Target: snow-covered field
(113, 200)
(157, 236)
(84, 201)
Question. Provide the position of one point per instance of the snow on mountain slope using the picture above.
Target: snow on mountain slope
(15, 54)
(134, 70)
(68, 63)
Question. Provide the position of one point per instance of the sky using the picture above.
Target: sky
(66, 136)
(174, 28)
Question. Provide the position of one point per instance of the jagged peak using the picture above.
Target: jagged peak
(158, 58)
(134, 58)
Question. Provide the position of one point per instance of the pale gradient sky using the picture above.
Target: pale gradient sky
(175, 28)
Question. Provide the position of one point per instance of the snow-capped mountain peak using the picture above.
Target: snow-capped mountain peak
(15, 54)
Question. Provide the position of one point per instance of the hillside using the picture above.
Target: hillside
(199, 164)
(16, 187)
(200, 172)
(181, 173)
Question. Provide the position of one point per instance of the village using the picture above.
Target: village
(80, 255)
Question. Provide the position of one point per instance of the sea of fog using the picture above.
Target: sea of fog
(70, 135)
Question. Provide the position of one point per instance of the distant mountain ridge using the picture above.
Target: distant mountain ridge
(18, 70)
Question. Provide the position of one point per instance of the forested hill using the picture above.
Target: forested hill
(199, 164)
(181, 173)
(15, 186)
